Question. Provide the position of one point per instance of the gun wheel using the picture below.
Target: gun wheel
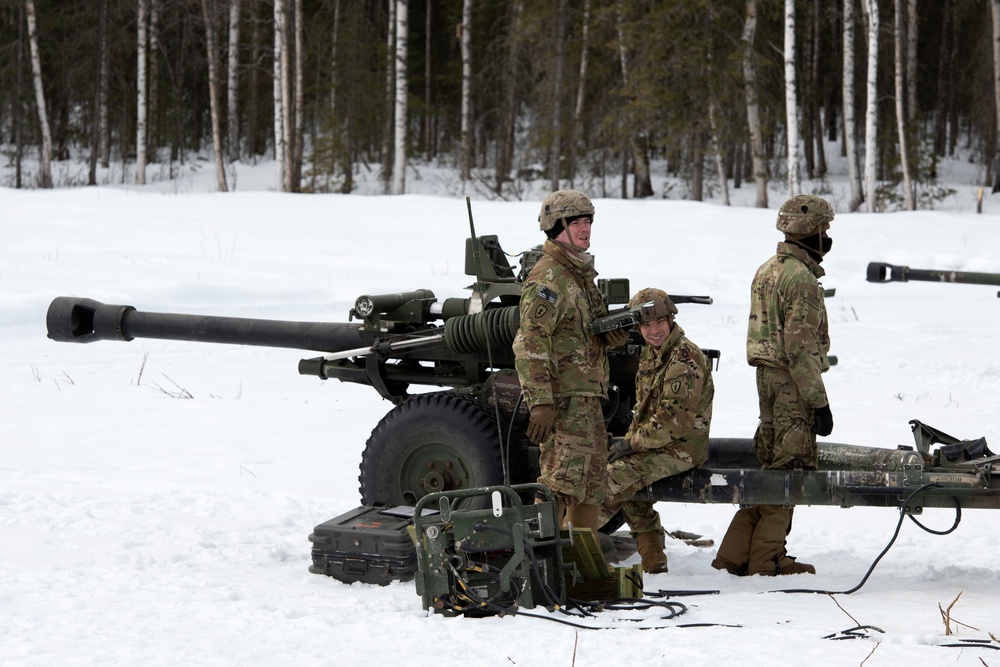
(432, 442)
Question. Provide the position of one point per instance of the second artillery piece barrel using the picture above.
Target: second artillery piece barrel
(880, 272)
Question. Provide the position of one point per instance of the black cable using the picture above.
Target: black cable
(895, 534)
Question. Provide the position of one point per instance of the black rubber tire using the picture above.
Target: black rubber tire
(433, 442)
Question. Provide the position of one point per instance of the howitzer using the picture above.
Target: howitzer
(880, 272)
(472, 433)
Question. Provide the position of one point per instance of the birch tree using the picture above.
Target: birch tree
(298, 106)
(904, 155)
(280, 108)
(995, 7)
(100, 91)
(399, 160)
(791, 105)
(142, 80)
(871, 113)
(753, 108)
(45, 158)
(390, 98)
(850, 126)
(465, 29)
(232, 87)
(580, 88)
(505, 144)
(208, 12)
(911, 60)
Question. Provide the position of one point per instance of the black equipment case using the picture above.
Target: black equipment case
(368, 544)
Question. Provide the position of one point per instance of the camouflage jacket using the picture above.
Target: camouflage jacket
(555, 353)
(788, 324)
(673, 394)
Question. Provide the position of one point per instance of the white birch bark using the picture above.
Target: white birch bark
(280, 147)
(753, 108)
(466, 130)
(995, 10)
(900, 90)
(720, 163)
(791, 104)
(871, 113)
(850, 125)
(45, 159)
(399, 160)
(390, 99)
(232, 87)
(142, 80)
(213, 94)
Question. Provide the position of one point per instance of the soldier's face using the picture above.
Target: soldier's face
(577, 233)
(655, 332)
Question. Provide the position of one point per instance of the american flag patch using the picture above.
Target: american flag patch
(547, 294)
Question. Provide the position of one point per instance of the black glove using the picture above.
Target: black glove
(620, 449)
(615, 338)
(543, 418)
(822, 421)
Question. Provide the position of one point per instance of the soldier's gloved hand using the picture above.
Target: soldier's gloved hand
(615, 338)
(543, 418)
(822, 421)
(621, 448)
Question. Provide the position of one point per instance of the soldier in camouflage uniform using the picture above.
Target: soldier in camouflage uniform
(669, 430)
(562, 366)
(787, 341)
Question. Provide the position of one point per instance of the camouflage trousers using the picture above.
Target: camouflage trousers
(629, 474)
(573, 460)
(784, 437)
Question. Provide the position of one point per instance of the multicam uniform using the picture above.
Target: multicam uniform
(787, 341)
(560, 362)
(669, 431)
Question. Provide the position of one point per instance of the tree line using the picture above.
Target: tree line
(579, 93)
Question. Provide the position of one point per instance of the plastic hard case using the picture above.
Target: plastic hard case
(368, 544)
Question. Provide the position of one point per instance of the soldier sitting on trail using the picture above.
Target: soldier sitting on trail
(669, 430)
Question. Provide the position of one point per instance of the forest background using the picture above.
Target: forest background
(508, 93)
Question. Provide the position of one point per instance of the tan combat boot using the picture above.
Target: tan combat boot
(650, 548)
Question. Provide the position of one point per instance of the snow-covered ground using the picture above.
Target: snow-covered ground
(156, 497)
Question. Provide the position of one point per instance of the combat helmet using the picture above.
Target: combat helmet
(661, 306)
(804, 215)
(560, 206)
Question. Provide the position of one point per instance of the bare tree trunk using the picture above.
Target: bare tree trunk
(298, 125)
(234, 81)
(390, 98)
(911, 61)
(505, 145)
(871, 114)
(399, 161)
(466, 44)
(555, 146)
(791, 104)
(208, 11)
(817, 87)
(850, 128)
(142, 80)
(753, 108)
(428, 44)
(580, 88)
(904, 154)
(995, 7)
(280, 110)
(99, 91)
(635, 142)
(45, 158)
(104, 129)
(720, 158)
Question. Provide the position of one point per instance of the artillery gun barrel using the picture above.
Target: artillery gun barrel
(880, 272)
(79, 320)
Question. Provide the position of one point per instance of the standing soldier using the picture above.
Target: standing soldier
(562, 366)
(787, 341)
(669, 430)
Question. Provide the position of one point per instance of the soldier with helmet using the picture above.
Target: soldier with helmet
(787, 341)
(670, 423)
(562, 366)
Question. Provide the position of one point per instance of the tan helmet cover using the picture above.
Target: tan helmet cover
(804, 215)
(563, 204)
(662, 306)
